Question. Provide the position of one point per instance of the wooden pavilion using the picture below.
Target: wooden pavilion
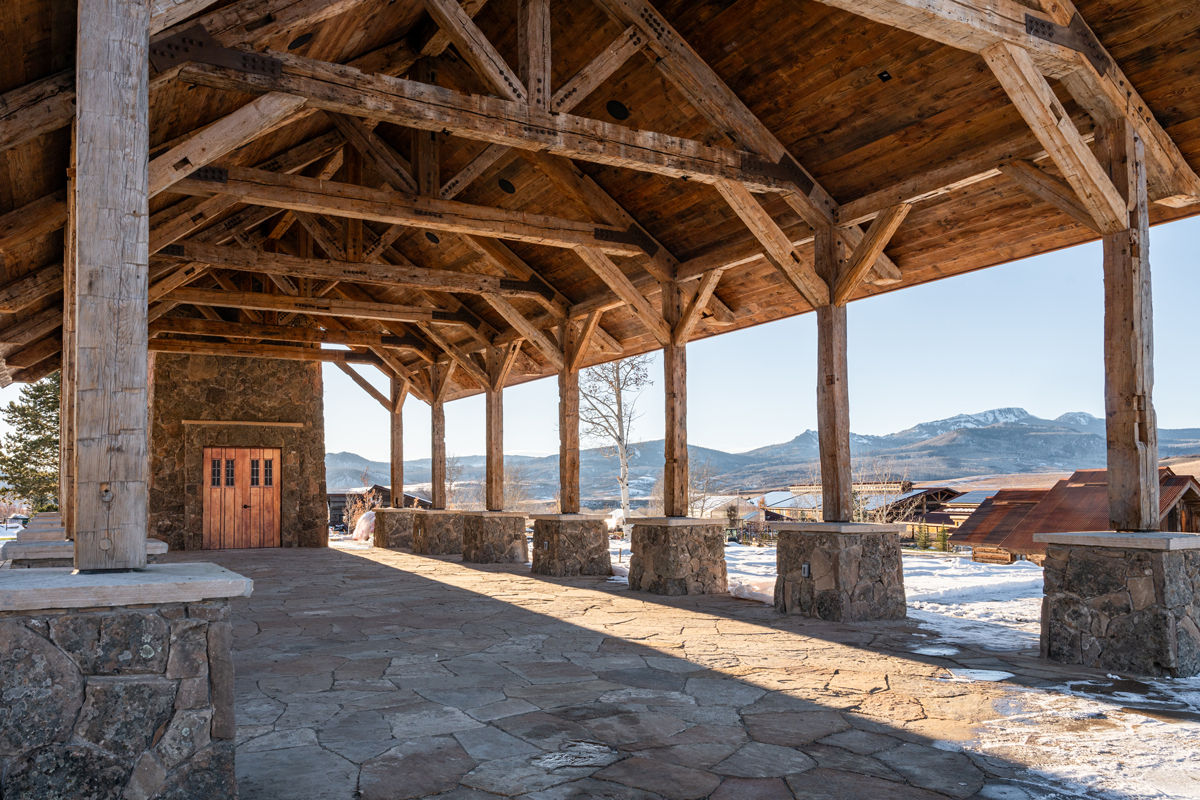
(469, 196)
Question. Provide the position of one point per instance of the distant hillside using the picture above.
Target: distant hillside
(1003, 440)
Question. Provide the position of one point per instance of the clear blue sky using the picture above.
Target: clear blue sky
(1025, 334)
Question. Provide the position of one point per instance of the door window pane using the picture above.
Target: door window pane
(254, 472)
(268, 472)
(216, 472)
(229, 472)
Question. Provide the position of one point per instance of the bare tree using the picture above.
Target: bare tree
(608, 395)
(454, 481)
(702, 484)
(517, 479)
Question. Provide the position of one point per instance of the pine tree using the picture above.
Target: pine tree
(29, 454)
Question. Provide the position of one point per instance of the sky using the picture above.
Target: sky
(1026, 334)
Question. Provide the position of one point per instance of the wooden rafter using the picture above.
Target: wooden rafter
(365, 385)
(283, 333)
(1049, 188)
(612, 275)
(280, 352)
(322, 306)
(867, 251)
(32, 220)
(691, 315)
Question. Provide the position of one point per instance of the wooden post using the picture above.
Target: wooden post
(499, 361)
(568, 420)
(66, 397)
(440, 382)
(833, 396)
(426, 153)
(1130, 421)
(399, 393)
(111, 253)
(533, 47)
(352, 229)
(675, 469)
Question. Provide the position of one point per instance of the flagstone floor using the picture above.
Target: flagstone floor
(379, 674)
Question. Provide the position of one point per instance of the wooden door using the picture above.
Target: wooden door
(241, 497)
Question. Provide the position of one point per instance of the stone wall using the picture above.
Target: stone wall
(1126, 610)
(854, 574)
(235, 390)
(394, 527)
(571, 545)
(124, 703)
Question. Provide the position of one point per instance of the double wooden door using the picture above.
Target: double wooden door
(241, 497)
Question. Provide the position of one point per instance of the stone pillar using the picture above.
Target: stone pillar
(394, 527)
(1123, 602)
(494, 537)
(841, 572)
(437, 532)
(568, 545)
(121, 683)
(677, 555)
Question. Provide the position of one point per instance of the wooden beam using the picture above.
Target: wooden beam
(30, 288)
(165, 13)
(384, 160)
(38, 371)
(456, 355)
(1130, 422)
(365, 385)
(1050, 189)
(598, 70)
(612, 275)
(249, 122)
(868, 252)
(474, 46)
(582, 340)
(691, 316)
(111, 230)
(32, 220)
(675, 449)
(526, 329)
(977, 25)
(568, 417)
(331, 87)
(778, 247)
(36, 108)
(833, 396)
(320, 306)
(283, 333)
(396, 417)
(426, 148)
(28, 356)
(533, 50)
(379, 273)
(30, 330)
(309, 195)
(279, 352)
(1048, 120)
(184, 274)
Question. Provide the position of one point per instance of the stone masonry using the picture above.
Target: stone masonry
(124, 703)
(569, 545)
(438, 533)
(394, 527)
(853, 571)
(678, 556)
(495, 537)
(225, 389)
(1132, 609)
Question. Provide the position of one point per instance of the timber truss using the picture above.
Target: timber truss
(275, 258)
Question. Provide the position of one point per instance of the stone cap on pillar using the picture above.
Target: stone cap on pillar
(568, 517)
(838, 527)
(494, 514)
(46, 588)
(1122, 540)
(677, 522)
(442, 511)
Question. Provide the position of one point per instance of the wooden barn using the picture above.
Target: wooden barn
(203, 201)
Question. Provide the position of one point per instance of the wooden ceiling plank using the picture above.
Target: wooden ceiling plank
(42, 216)
(1050, 189)
(1033, 97)
(868, 251)
(779, 251)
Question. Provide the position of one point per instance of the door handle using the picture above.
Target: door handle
(246, 506)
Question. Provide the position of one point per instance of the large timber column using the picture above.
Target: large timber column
(112, 253)
(568, 420)
(675, 452)
(1129, 339)
(499, 362)
(833, 396)
(66, 396)
(399, 394)
(440, 383)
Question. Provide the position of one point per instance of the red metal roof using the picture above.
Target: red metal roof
(1011, 518)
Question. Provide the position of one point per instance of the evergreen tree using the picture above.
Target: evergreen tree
(29, 453)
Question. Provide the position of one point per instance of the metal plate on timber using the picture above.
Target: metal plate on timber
(172, 250)
(785, 169)
(211, 174)
(531, 285)
(1077, 36)
(196, 44)
(634, 236)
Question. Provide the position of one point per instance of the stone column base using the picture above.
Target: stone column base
(494, 537)
(438, 532)
(841, 572)
(394, 527)
(677, 556)
(27, 554)
(567, 545)
(1122, 602)
(114, 689)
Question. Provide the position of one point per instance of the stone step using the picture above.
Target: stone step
(42, 535)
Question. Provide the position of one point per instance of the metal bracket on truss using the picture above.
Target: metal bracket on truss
(196, 44)
(1077, 36)
(531, 285)
(634, 236)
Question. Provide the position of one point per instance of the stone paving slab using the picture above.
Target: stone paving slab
(386, 675)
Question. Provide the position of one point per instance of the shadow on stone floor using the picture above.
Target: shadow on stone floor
(379, 674)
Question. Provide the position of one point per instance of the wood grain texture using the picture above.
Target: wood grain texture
(1049, 188)
(833, 396)
(399, 392)
(675, 449)
(868, 251)
(440, 380)
(32, 220)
